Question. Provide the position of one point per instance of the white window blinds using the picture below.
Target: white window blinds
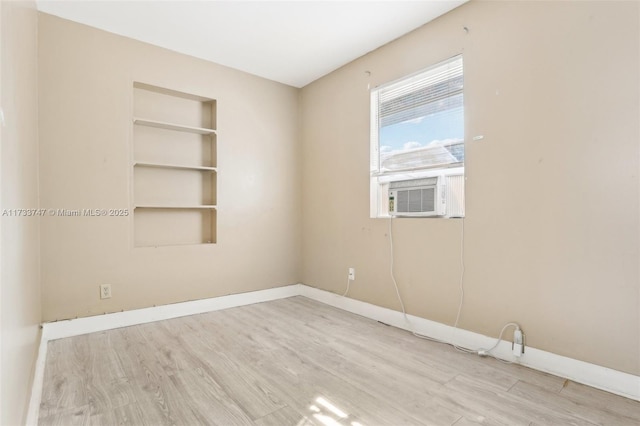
(433, 90)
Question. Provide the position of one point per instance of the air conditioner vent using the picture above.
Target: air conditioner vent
(415, 200)
(417, 197)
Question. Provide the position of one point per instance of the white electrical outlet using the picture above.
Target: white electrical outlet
(105, 291)
(352, 274)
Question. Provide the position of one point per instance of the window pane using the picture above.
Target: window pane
(430, 140)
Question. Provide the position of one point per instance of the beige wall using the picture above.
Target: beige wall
(552, 226)
(19, 277)
(85, 78)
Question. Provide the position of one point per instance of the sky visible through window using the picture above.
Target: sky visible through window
(444, 126)
(423, 142)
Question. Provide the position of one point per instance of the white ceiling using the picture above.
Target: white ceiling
(293, 42)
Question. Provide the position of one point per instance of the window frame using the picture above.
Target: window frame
(379, 180)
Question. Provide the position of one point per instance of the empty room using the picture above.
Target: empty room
(327, 213)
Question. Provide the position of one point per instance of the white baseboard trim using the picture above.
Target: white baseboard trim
(607, 379)
(617, 382)
(76, 327)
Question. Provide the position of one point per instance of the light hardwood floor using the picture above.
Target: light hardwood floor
(299, 362)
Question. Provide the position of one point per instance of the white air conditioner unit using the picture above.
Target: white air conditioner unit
(418, 197)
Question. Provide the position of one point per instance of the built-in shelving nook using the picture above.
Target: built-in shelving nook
(174, 167)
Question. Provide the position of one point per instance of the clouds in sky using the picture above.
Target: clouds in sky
(411, 145)
(407, 146)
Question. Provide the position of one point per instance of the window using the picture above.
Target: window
(417, 144)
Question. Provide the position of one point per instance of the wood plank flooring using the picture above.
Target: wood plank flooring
(299, 362)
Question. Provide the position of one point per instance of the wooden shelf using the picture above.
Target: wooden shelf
(172, 126)
(195, 207)
(174, 166)
(174, 169)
